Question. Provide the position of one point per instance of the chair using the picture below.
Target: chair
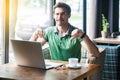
(100, 60)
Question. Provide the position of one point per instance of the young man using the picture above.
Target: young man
(64, 39)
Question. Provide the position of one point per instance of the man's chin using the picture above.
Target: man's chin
(59, 24)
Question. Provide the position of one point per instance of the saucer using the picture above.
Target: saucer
(74, 67)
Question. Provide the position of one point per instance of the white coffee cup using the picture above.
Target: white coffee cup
(73, 62)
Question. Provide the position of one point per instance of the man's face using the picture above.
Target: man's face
(61, 16)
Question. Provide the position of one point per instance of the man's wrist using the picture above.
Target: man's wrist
(83, 35)
(94, 56)
(33, 38)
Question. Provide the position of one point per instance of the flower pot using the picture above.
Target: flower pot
(104, 34)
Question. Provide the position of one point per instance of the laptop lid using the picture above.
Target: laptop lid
(29, 53)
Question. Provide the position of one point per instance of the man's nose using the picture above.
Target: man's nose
(59, 16)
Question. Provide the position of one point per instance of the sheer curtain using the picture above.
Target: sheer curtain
(5, 23)
(2, 25)
(92, 19)
(13, 16)
(12, 23)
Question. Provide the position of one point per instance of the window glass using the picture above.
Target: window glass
(76, 13)
(26, 16)
(31, 13)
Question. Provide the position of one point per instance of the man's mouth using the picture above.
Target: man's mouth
(59, 20)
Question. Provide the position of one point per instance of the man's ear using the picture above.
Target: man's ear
(69, 15)
(53, 15)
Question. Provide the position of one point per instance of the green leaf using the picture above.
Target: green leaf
(104, 23)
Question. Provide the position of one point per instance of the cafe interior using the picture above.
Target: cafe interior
(99, 19)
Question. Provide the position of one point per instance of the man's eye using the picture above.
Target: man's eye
(64, 13)
(57, 13)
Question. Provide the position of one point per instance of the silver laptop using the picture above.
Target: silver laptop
(28, 53)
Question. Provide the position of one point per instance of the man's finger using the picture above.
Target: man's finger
(71, 38)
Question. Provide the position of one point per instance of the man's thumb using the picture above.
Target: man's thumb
(71, 38)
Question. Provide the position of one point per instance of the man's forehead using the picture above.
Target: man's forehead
(60, 9)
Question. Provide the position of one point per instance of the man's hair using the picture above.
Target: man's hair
(62, 5)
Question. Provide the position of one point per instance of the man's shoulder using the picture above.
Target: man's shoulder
(49, 32)
(50, 29)
(73, 27)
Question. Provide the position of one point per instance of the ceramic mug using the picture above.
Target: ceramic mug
(73, 62)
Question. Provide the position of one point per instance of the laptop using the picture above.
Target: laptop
(29, 53)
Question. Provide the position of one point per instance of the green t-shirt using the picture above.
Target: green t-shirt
(61, 48)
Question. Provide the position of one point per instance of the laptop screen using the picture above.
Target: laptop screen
(29, 53)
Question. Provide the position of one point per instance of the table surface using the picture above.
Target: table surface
(107, 40)
(13, 72)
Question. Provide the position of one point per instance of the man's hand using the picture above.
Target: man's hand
(76, 33)
(37, 34)
(91, 60)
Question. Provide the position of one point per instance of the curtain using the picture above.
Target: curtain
(110, 9)
(13, 16)
(94, 21)
(113, 15)
(2, 25)
(12, 23)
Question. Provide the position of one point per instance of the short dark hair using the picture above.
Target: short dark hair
(62, 5)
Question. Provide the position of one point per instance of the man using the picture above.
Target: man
(64, 39)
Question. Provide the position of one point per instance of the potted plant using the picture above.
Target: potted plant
(104, 26)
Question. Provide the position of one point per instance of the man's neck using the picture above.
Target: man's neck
(63, 29)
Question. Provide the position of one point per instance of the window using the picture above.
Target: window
(31, 13)
(26, 16)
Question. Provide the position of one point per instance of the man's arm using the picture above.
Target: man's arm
(90, 46)
(86, 42)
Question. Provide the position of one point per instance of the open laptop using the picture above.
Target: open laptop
(29, 53)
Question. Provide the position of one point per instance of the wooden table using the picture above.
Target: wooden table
(107, 40)
(14, 72)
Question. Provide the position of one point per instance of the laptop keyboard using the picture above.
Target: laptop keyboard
(53, 64)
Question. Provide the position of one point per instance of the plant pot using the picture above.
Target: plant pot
(104, 34)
